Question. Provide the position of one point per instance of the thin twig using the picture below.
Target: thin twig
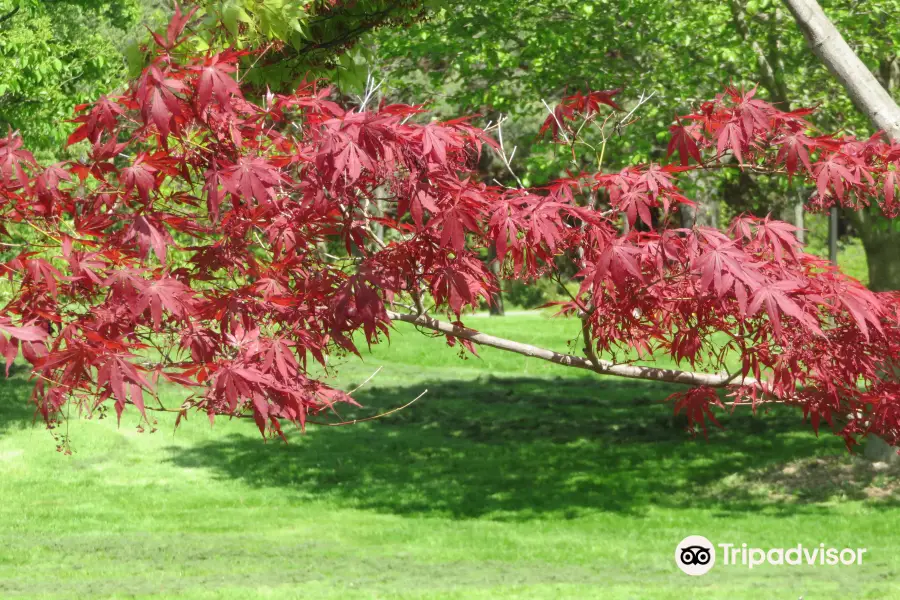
(368, 379)
(641, 101)
(507, 160)
(372, 418)
(370, 90)
(39, 230)
(250, 68)
(184, 409)
(558, 124)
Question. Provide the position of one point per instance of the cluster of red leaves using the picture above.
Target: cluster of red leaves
(577, 107)
(194, 242)
(844, 170)
(190, 243)
(810, 335)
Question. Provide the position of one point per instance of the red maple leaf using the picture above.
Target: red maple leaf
(215, 81)
(794, 150)
(731, 136)
(149, 236)
(253, 177)
(13, 159)
(158, 101)
(103, 117)
(141, 175)
(684, 140)
(168, 294)
(774, 296)
(832, 174)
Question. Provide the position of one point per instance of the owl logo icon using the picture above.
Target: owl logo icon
(695, 555)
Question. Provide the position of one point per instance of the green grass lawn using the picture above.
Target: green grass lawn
(510, 478)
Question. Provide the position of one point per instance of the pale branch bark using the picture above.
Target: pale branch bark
(603, 367)
(872, 99)
(828, 44)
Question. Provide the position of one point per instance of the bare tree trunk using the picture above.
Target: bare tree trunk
(706, 213)
(799, 221)
(875, 101)
(496, 304)
(882, 247)
(765, 62)
(833, 217)
(828, 44)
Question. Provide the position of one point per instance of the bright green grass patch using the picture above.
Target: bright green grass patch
(510, 478)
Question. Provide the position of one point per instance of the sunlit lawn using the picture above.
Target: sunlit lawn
(510, 478)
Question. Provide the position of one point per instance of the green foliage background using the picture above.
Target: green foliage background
(505, 56)
(54, 55)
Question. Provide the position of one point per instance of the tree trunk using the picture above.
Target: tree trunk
(878, 450)
(771, 74)
(828, 44)
(881, 241)
(705, 214)
(799, 221)
(833, 222)
(496, 305)
(764, 62)
(882, 244)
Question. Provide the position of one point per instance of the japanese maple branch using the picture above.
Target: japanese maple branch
(373, 417)
(368, 379)
(507, 160)
(186, 406)
(584, 314)
(624, 122)
(559, 125)
(603, 367)
(184, 409)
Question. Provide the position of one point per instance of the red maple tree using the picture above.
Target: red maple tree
(192, 244)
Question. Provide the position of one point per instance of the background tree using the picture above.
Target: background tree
(871, 94)
(54, 55)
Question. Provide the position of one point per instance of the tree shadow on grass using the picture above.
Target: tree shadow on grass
(16, 411)
(517, 449)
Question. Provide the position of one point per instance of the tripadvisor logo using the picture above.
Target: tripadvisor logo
(696, 555)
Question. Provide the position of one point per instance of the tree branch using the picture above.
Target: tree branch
(766, 69)
(10, 14)
(831, 48)
(603, 367)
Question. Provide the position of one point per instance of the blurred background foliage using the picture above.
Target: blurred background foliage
(298, 39)
(56, 54)
(505, 56)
